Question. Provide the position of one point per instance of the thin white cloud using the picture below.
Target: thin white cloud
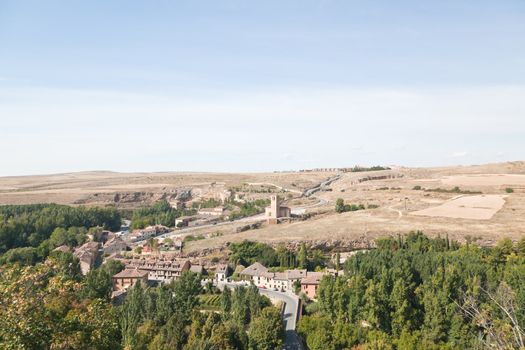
(459, 154)
(51, 130)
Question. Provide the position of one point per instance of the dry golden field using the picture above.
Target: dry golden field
(489, 215)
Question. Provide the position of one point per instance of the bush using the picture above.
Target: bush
(417, 188)
(341, 207)
(509, 190)
(193, 238)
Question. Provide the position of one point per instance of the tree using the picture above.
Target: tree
(186, 290)
(71, 237)
(132, 315)
(226, 301)
(98, 282)
(521, 246)
(41, 308)
(505, 245)
(317, 330)
(172, 335)
(302, 257)
(266, 330)
(340, 205)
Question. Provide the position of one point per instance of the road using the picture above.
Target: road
(309, 192)
(249, 219)
(291, 341)
(291, 308)
(260, 217)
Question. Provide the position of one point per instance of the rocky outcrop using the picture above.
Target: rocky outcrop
(334, 245)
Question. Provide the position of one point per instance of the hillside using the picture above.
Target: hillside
(465, 202)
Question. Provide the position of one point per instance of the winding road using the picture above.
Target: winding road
(291, 308)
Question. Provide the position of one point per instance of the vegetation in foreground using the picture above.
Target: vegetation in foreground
(51, 306)
(421, 293)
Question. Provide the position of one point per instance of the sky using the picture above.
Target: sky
(259, 86)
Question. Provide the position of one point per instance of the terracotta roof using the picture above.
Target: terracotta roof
(90, 245)
(295, 274)
(114, 240)
(131, 273)
(115, 256)
(255, 269)
(153, 264)
(196, 268)
(313, 278)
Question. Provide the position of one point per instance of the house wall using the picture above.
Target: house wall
(125, 283)
(310, 290)
(115, 248)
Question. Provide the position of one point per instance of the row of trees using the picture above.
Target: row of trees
(248, 252)
(341, 207)
(421, 293)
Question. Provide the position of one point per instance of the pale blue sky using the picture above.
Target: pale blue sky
(246, 86)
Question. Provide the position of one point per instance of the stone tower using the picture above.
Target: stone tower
(274, 207)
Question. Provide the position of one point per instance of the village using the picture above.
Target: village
(153, 255)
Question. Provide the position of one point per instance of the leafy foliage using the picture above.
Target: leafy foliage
(160, 213)
(31, 225)
(42, 308)
(248, 208)
(421, 293)
(341, 207)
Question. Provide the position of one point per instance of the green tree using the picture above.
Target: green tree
(340, 205)
(132, 315)
(186, 290)
(302, 257)
(266, 330)
(172, 335)
(521, 246)
(226, 301)
(98, 282)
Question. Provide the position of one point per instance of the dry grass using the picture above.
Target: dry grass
(482, 207)
(494, 222)
(99, 188)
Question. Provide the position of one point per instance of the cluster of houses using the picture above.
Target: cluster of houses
(87, 254)
(164, 269)
(90, 254)
(148, 232)
(159, 270)
(285, 281)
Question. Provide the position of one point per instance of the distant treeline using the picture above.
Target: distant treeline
(32, 225)
(358, 169)
(445, 190)
(160, 213)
